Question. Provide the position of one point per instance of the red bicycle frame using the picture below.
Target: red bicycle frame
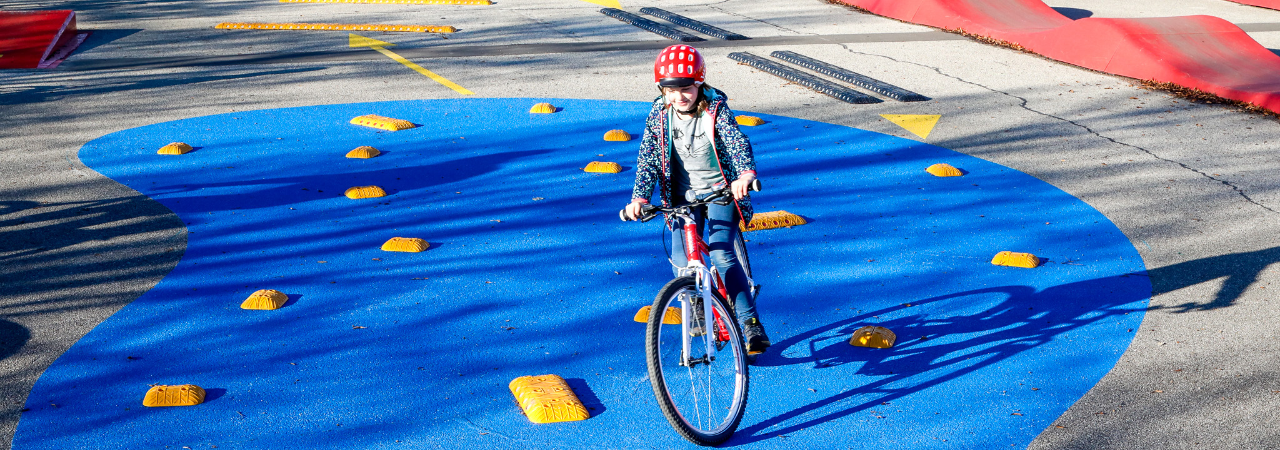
(694, 249)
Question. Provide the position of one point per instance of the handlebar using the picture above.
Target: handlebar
(648, 211)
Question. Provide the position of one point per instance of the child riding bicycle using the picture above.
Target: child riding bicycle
(692, 143)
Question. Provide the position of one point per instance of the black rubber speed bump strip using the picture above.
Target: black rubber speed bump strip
(803, 79)
(649, 25)
(701, 27)
(849, 76)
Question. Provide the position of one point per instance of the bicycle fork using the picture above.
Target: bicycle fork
(712, 330)
(706, 278)
(693, 321)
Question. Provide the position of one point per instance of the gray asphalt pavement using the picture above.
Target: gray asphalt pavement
(1192, 185)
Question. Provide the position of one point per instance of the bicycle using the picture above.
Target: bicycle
(706, 405)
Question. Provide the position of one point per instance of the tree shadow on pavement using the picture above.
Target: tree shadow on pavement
(41, 94)
(12, 337)
(98, 38)
(55, 258)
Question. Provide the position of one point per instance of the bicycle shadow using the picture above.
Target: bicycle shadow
(1023, 320)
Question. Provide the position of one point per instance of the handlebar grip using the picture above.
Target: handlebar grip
(755, 185)
(646, 214)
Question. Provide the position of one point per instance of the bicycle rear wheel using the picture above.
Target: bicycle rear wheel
(704, 400)
(740, 250)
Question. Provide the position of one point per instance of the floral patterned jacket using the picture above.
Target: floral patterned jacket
(732, 149)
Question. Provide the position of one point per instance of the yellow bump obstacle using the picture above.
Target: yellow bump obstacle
(603, 167)
(944, 170)
(356, 192)
(363, 152)
(266, 299)
(1011, 259)
(332, 27)
(401, 244)
(750, 121)
(174, 148)
(617, 136)
(382, 123)
(547, 399)
(178, 395)
(399, 2)
(542, 108)
(772, 219)
(672, 317)
(873, 336)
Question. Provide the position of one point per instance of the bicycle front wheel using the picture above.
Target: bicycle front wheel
(702, 390)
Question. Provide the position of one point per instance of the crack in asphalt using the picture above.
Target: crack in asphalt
(780, 27)
(1023, 104)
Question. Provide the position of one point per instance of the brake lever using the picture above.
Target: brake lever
(647, 213)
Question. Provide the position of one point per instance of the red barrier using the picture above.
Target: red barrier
(1202, 52)
(29, 38)
(1270, 4)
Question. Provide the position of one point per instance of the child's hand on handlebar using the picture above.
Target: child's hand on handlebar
(634, 208)
(742, 185)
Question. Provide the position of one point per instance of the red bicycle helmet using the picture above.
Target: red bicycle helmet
(679, 66)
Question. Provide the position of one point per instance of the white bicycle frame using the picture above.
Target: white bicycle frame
(706, 278)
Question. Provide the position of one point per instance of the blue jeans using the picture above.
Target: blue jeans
(719, 227)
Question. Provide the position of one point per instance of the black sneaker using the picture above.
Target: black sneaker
(755, 337)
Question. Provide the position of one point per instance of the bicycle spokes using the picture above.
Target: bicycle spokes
(700, 381)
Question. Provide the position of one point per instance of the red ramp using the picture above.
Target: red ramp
(29, 39)
(1270, 4)
(1201, 52)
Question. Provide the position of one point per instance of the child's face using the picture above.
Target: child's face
(682, 99)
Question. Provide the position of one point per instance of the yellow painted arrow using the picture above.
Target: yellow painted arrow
(356, 41)
(918, 124)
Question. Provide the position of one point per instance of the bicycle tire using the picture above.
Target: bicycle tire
(744, 260)
(740, 251)
(724, 381)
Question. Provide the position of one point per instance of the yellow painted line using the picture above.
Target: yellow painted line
(609, 3)
(918, 124)
(421, 70)
(333, 27)
(355, 40)
(398, 2)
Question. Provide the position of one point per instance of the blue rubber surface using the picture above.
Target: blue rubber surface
(530, 272)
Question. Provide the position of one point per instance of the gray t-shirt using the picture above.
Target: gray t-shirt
(693, 164)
